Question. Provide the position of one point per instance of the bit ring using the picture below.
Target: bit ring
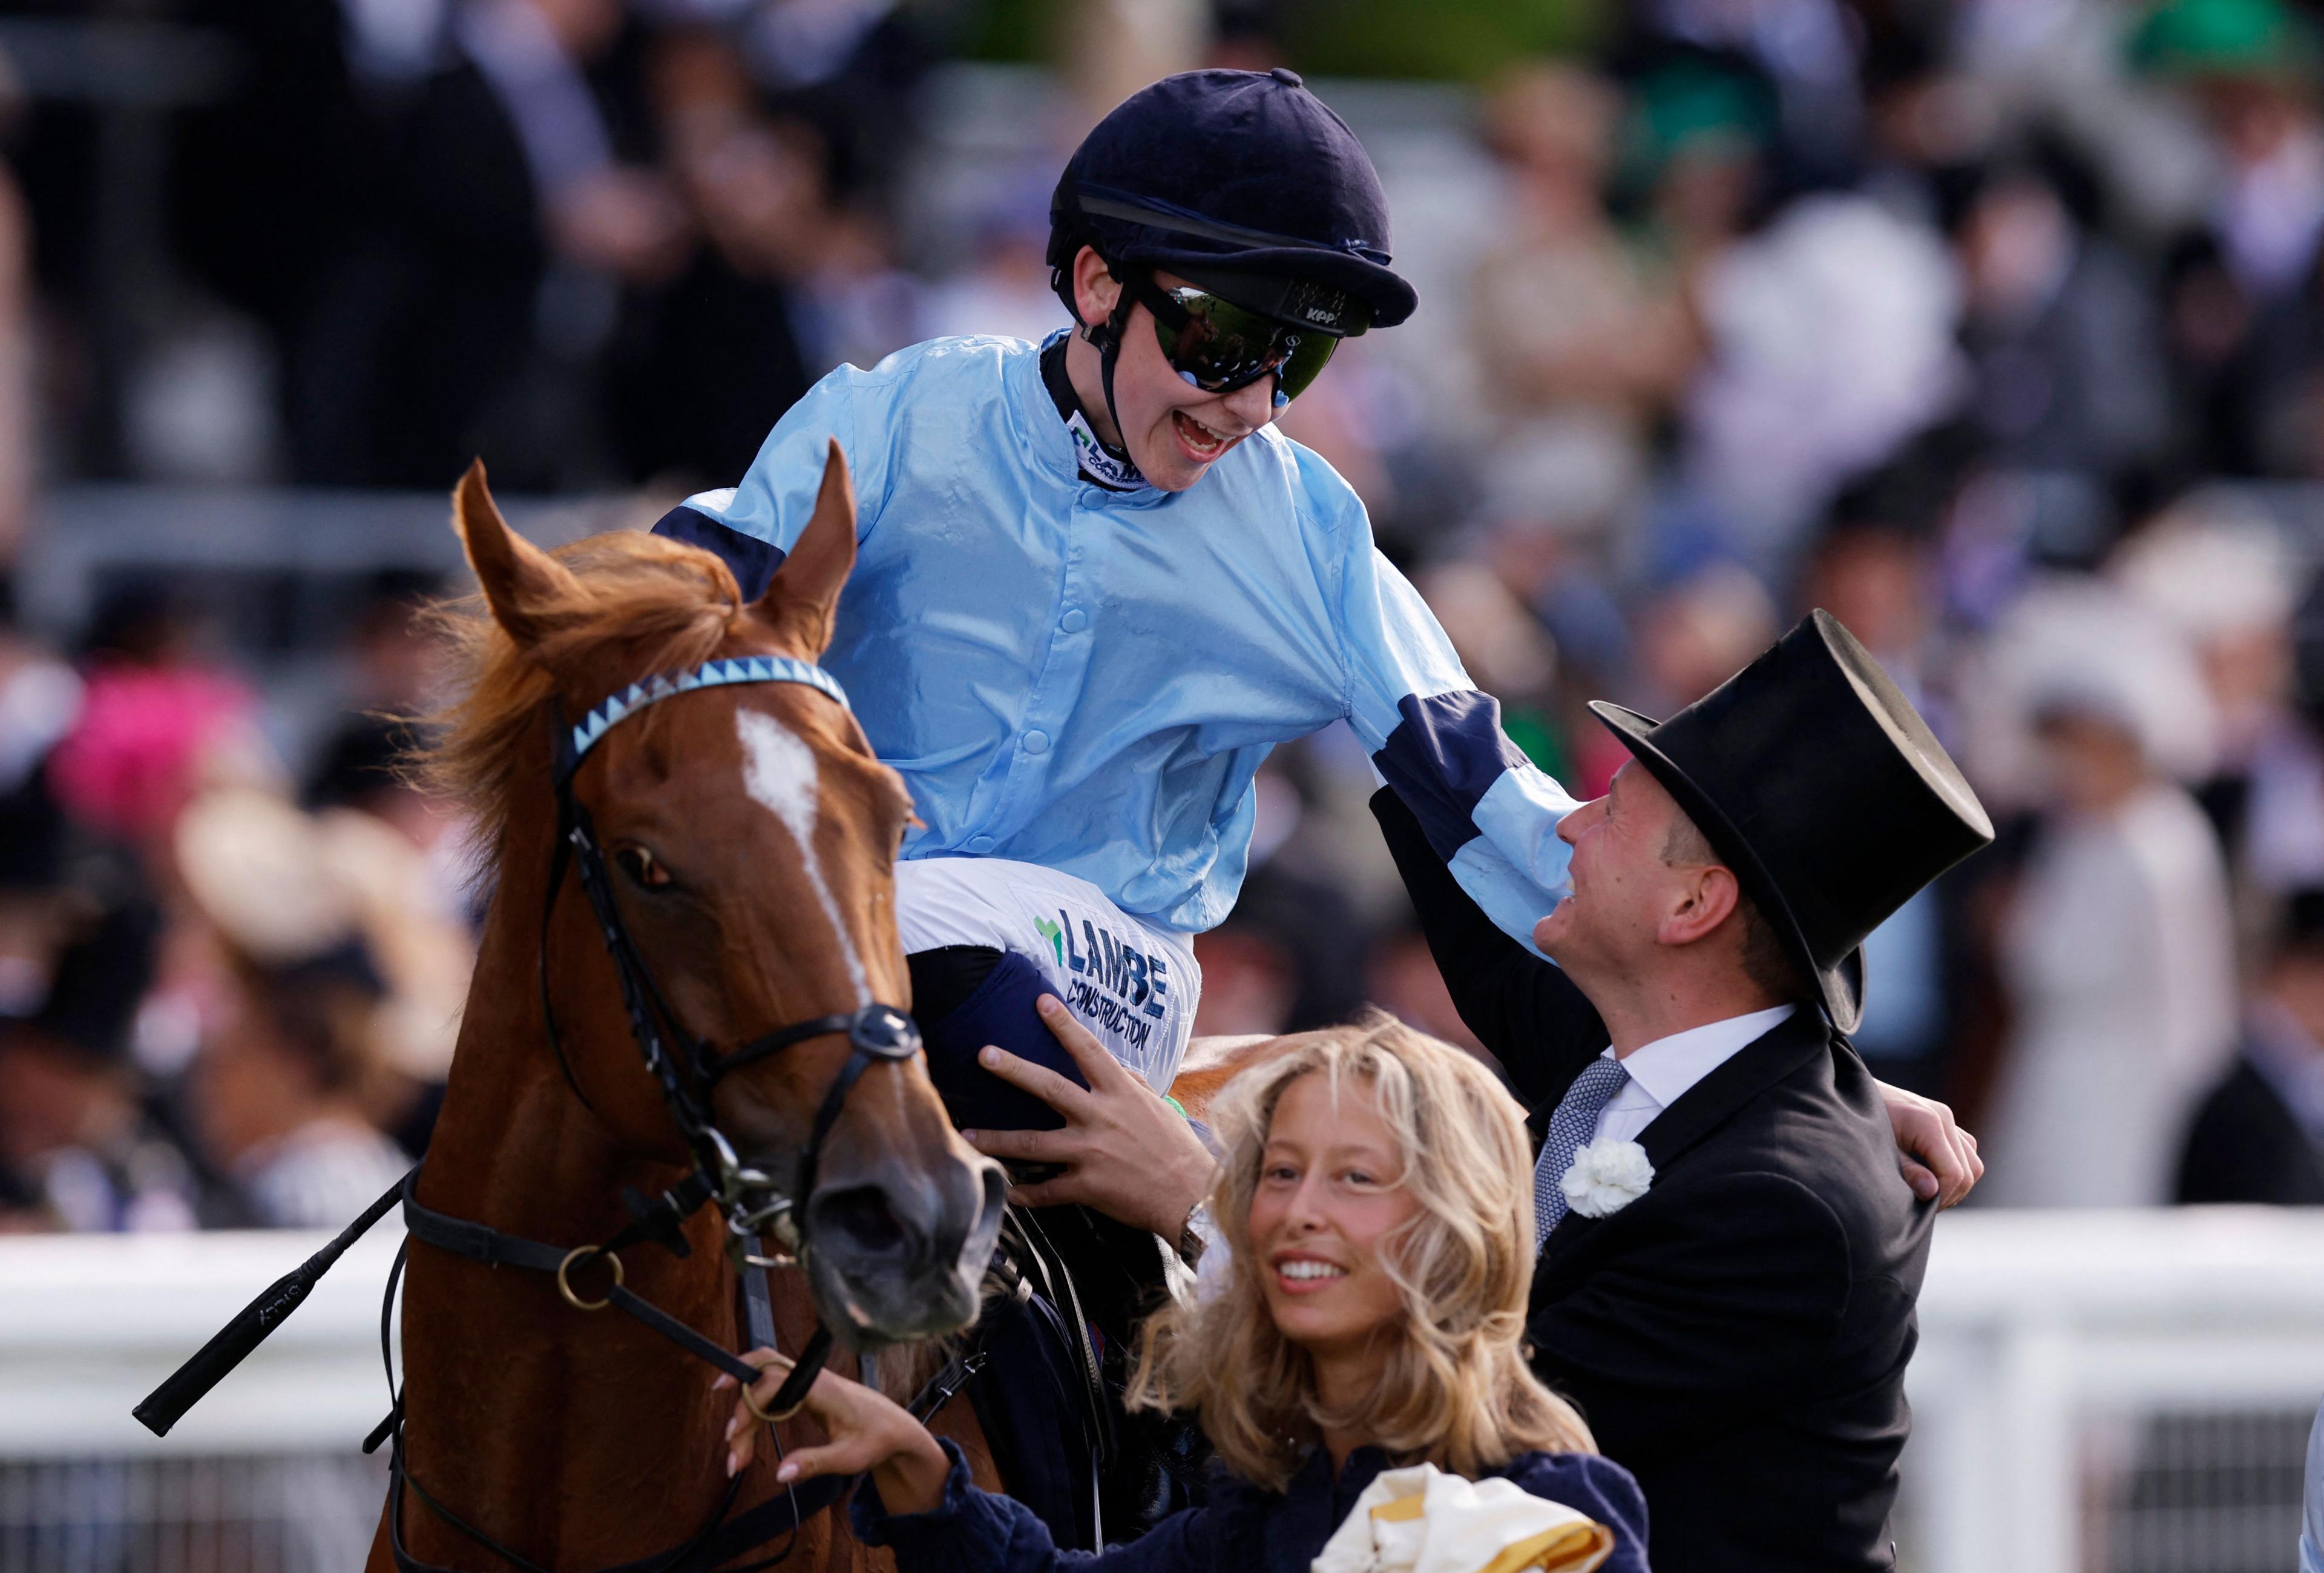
(565, 1284)
(762, 1416)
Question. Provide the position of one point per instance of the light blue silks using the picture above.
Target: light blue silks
(1088, 679)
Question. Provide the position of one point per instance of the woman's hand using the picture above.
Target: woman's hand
(1125, 1152)
(867, 1432)
(1947, 1166)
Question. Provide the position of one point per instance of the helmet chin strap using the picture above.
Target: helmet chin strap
(1107, 337)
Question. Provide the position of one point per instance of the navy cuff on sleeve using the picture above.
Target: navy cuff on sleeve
(752, 561)
(1443, 757)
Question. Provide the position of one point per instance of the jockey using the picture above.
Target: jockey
(1096, 586)
(1093, 587)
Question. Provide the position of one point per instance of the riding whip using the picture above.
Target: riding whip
(167, 1404)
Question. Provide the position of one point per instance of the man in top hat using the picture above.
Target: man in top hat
(1728, 1254)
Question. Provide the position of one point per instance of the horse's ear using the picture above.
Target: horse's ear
(521, 583)
(802, 600)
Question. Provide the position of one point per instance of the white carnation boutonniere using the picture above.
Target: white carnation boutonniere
(1606, 1177)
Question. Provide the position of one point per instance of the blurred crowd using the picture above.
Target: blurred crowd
(1996, 327)
(227, 998)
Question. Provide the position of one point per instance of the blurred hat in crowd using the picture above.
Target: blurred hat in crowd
(40, 701)
(261, 873)
(2211, 570)
(2224, 38)
(2083, 647)
(56, 881)
(33, 835)
(1833, 336)
(2226, 580)
(289, 890)
(2300, 923)
(424, 952)
(100, 982)
(1695, 106)
(360, 762)
(147, 738)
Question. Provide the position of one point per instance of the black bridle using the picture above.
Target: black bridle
(752, 1202)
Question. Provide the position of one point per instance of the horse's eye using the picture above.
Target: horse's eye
(640, 866)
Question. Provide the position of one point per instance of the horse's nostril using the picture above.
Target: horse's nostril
(862, 1213)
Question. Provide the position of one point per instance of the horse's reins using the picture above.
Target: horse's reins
(751, 1202)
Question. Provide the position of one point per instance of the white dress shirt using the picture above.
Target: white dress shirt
(1661, 1071)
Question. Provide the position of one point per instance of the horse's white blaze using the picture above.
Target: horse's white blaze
(779, 772)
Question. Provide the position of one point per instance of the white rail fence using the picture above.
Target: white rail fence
(264, 1475)
(2125, 1393)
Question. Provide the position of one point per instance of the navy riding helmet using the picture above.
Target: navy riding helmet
(1242, 182)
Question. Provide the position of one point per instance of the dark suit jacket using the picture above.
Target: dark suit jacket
(413, 356)
(1738, 1335)
(2246, 1146)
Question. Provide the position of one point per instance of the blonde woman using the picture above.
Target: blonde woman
(1374, 1200)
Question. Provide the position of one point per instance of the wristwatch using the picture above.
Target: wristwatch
(1191, 1233)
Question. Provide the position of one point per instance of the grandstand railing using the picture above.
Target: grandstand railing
(90, 1323)
(264, 1475)
(2120, 1392)
(2115, 1391)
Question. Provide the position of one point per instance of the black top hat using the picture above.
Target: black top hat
(1820, 786)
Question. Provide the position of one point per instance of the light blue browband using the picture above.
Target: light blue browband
(752, 668)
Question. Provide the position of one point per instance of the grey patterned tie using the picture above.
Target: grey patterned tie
(1569, 1130)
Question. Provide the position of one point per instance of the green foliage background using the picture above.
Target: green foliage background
(1428, 39)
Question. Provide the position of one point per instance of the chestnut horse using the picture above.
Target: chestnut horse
(745, 837)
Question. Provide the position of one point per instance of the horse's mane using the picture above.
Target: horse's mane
(636, 605)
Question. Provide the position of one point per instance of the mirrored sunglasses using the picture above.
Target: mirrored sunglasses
(1219, 346)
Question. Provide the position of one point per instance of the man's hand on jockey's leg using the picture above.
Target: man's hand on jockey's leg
(1125, 1152)
(1946, 1166)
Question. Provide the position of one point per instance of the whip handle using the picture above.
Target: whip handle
(167, 1404)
